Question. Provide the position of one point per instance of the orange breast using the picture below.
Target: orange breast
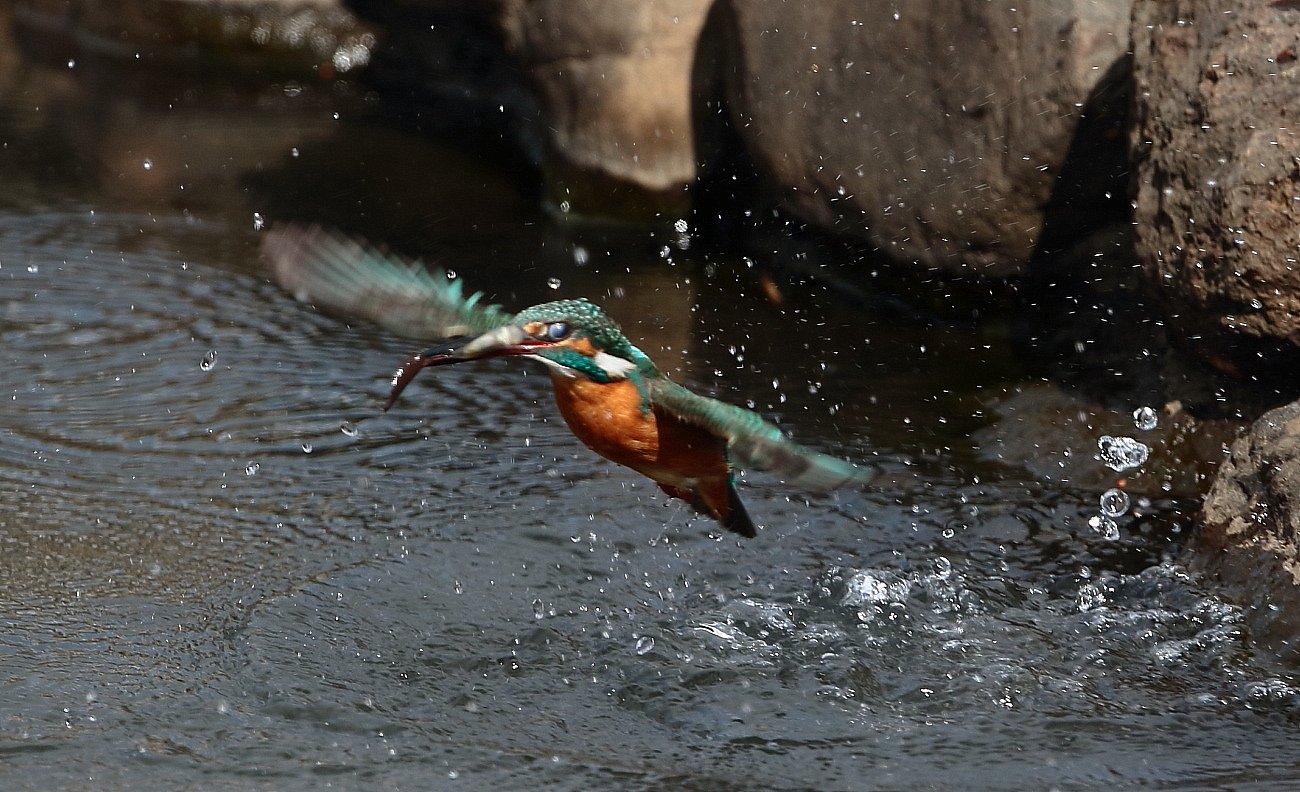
(608, 418)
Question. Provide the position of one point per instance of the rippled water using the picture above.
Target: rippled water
(223, 567)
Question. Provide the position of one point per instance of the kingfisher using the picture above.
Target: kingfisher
(610, 393)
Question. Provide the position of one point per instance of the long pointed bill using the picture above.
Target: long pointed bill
(506, 340)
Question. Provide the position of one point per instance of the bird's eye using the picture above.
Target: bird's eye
(557, 331)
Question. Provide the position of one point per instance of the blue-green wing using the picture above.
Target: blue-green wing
(332, 271)
(755, 443)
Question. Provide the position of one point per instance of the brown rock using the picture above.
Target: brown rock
(613, 79)
(935, 130)
(1250, 527)
(1217, 175)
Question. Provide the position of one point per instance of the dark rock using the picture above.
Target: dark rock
(949, 136)
(1250, 528)
(1217, 177)
(1054, 434)
(935, 131)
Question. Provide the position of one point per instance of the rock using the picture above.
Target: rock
(1218, 178)
(935, 131)
(1055, 434)
(613, 78)
(1250, 529)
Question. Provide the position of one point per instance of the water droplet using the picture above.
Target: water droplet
(644, 644)
(1114, 502)
(209, 360)
(148, 164)
(1121, 453)
(259, 222)
(293, 152)
(72, 64)
(252, 469)
(564, 207)
(1145, 418)
(1104, 526)
(33, 268)
(553, 283)
(580, 255)
(451, 274)
(539, 609)
(307, 448)
(348, 428)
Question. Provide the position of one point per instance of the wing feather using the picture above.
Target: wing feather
(332, 271)
(756, 443)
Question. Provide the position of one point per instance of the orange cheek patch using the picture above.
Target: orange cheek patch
(581, 344)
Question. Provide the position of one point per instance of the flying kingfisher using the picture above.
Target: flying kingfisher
(613, 397)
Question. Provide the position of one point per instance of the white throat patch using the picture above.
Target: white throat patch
(614, 367)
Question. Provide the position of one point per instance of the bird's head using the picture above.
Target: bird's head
(575, 338)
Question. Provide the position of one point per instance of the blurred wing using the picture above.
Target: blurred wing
(332, 271)
(755, 443)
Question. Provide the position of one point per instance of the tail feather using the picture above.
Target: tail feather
(721, 500)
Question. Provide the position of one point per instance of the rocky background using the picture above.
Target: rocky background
(1130, 169)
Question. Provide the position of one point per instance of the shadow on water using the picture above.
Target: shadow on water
(223, 566)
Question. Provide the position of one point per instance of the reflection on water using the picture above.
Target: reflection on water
(222, 565)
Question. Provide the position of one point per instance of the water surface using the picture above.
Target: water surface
(223, 567)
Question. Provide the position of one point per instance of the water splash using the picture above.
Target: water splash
(1105, 527)
(682, 234)
(1121, 453)
(1145, 419)
(1114, 502)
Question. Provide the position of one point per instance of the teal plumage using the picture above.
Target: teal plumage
(756, 443)
(340, 274)
(579, 342)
